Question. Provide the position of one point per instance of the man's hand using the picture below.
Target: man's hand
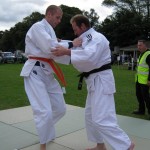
(148, 83)
(60, 51)
(77, 42)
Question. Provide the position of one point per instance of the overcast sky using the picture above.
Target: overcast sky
(13, 11)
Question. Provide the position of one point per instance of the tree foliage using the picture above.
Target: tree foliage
(93, 17)
(64, 29)
(14, 38)
(128, 23)
(135, 6)
(123, 29)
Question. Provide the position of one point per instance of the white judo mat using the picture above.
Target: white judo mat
(23, 134)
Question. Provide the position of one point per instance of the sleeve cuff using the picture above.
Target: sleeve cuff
(70, 44)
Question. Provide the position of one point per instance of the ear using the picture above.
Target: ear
(83, 27)
(49, 14)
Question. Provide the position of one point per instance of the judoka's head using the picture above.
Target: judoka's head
(80, 24)
(53, 15)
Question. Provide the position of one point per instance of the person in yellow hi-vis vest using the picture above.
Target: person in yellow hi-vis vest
(143, 79)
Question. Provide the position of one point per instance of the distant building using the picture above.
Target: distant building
(131, 50)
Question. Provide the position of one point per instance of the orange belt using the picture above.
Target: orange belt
(54, 66)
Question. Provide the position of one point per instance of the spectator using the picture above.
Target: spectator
(143, 79)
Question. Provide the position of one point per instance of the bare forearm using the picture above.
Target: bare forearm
(67, 52)
(60, 51)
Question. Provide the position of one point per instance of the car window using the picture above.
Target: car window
(8, 54)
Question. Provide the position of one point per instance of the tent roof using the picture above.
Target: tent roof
(133, 47)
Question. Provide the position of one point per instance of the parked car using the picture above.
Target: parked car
(7, 57)
(24, 57)
(1, 59)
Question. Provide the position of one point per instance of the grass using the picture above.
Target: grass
(12, 92)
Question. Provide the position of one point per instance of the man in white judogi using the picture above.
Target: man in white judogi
(93, 59)
(43, 90)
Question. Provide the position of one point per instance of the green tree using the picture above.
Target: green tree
(6, 41)
(127, 22)
(135, 6)
(93, 17)
(64, 29)
(15, 37)
(123, 28)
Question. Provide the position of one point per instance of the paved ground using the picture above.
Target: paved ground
(17, 131)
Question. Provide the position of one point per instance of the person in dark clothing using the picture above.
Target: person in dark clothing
(143, 79)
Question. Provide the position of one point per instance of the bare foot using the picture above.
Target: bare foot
(43, 147)
(131, 146)
(100, 146)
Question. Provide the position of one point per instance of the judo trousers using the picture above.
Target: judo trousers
(100, 117)
(47, 102)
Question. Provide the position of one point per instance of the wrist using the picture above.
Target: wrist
(69, 52)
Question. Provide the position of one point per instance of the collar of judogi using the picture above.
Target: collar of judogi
(87, 36)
